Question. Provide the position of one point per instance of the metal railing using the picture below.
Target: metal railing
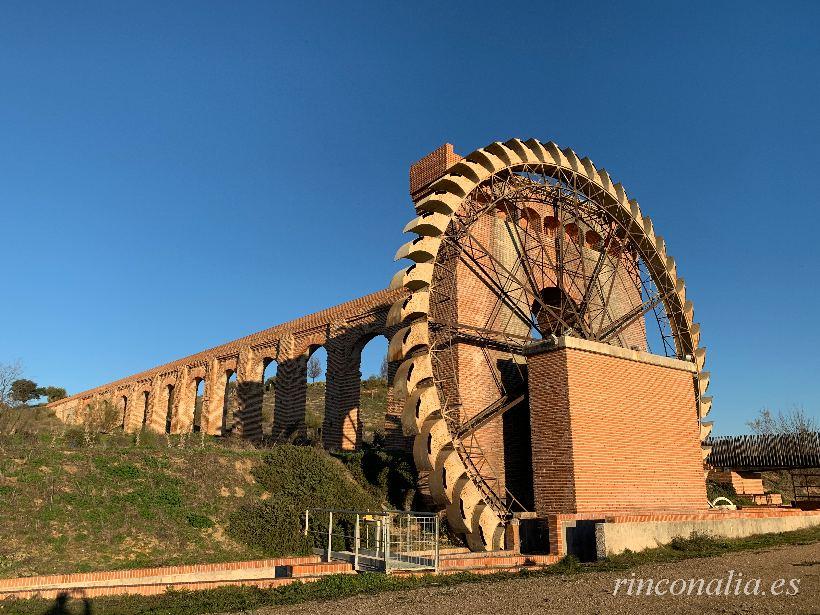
(376, 541)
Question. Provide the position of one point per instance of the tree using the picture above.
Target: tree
(794, 421)
(52, 393)
(9, 372)
(314, 369)
(24, 390)
(383, 370)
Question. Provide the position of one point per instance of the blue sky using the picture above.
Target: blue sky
(173, 177)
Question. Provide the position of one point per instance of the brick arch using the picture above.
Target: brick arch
(270, 369)
(389, 422)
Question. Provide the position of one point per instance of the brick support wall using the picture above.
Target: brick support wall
(291, 398)
(341, 429)
(612, 433)
(248, 419)
(215, 384)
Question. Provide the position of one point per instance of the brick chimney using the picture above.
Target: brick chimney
(429, 169)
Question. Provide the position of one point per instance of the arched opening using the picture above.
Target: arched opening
(145, 408)
(500, 211)
(529, 220)
(316, 374)
(229, 402)
(374, 372)
(269, 371)
(593, 241)
(169, 412)
(573, 234)
(200, 397)
(559, 315)
(124, 411)
(551, 225)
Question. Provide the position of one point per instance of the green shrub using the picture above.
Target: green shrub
(696, 543)
(199, 521)
(297, 478)
(389, 475)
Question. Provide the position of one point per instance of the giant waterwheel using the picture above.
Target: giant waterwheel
(519, 244)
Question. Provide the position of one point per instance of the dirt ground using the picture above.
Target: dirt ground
(593, 592)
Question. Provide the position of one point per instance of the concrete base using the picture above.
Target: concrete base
(588, 536)
(614, 538)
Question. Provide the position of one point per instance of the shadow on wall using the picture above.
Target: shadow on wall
(60, 606)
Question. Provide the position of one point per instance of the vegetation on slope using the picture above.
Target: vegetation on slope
(70, 508)
(70, 504)
(298, 478)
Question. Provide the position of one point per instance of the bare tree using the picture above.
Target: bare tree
(9, 372)
(314, 369)
(383, 370)
(794, 421)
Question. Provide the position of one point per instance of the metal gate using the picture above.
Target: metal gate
(375, 541)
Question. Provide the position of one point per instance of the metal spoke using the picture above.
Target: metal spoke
(596, 272)
(631, 316)
(533, 293)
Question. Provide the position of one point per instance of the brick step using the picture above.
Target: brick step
(321, 569)
(152, 581)
(447, 551)
(508, 567)
(124, 577)
(152, 589)
(477, 554)
(495, 561)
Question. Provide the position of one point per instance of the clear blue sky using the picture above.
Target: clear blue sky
(173, 177)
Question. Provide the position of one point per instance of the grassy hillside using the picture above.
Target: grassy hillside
(67, 505)
(38, 419)
(64, 509)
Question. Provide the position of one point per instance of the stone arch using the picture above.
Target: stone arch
(170, 390)
(270, 369)
(374, 413)
(316, 399)
(200, 403)
(343, 427)
(185, 397)
(145, 396)
(593, 240)
(573, 233)
(229, 403)
(124, 407)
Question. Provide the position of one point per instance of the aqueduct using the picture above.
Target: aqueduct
(164, 398)
(544, 360)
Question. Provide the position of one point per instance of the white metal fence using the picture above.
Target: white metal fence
(378, 541)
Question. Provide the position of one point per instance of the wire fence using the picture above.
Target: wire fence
(376, 541)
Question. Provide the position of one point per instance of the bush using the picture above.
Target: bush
(389, 475)
(102, 416)
(696, 543)
(199, 521)
(297, 478)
